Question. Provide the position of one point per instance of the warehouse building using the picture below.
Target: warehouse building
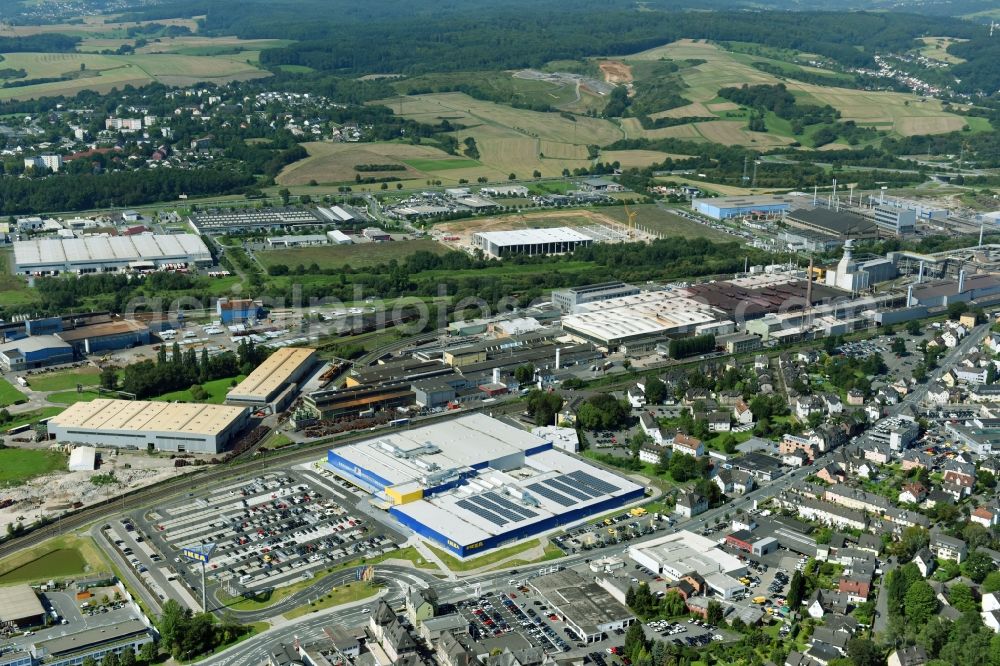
(892, 220)
(530, 242)
(97, 338)
(297, 241)
(252, 219)
(835, 224)
(38, 351)
(588, 609)
(105, 254)
(936, 293)
(333, 404)
(164, 426)
(723, 208)
(567, 299)
(274, 382)
(19, 606)
(638, 323)
(474, 483)
(238, 310)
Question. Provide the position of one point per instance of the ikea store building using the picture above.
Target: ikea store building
(474, 483)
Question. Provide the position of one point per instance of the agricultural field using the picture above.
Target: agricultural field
(19, 465)
(93, 26)
(937, 48)
(92, 71)
(334, 162)
(636, 158)
(509, 140)
(716, 188)
(903, 114)
(361, 255)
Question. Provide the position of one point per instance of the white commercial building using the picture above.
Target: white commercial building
(103, 254)
(531, 242)
(681, 553)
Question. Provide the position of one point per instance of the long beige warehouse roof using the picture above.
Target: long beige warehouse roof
(19, 603)
(272, 373)
(144, 416)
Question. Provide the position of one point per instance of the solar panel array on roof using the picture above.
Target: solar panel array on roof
(496, 508)
(561, 486)
(588, 480)
(548, 493)
(503, 501)
(481, 512)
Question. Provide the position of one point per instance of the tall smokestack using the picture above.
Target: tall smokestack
(961, 281)
(496, 375)
(809, 286)
(909, 296)
(920, 275)
(557, 357)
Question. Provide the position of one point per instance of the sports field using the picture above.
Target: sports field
(510, 140)
(904, 114)
(19, 465)
(93, 71)
(361, 255)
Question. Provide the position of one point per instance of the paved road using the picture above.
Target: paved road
(881, 622)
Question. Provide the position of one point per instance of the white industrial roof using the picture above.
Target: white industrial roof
(145, 416)
(272, 374)
(463, 442)
(532, 236)
(19, 603)
(648, 313)
(103, 249)
(35, 343)
(686, 551)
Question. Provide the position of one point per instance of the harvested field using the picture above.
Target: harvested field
(360, 255)
(335, 162)
(695, 110)
(735, 133)
(635, 131)
(637, 158)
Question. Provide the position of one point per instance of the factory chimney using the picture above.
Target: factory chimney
(920, 275)
(496, 375)
(909, 296)
(961, 281)
(809, 286)
(557, 357)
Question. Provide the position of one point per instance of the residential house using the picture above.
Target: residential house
(651, 427)
(691, 504)
(887, 395)
(636, 396)
(950, 339)
(969, 375)
(913, 493)
(937, 394)
(691, 446)
(916, 458)
(857, 588)
(873, 411)
(832, 473)
(948, 548)
(985, 516)
(742, 413)
(796, 458)
(991, 611)
(421, 604)
(806, 406)
(719, 421)
(651, 453)
(910, 655)
(855, 397)
(823, 601)
(734, 482)
(925, 561)
(878, 453)
(833, 403)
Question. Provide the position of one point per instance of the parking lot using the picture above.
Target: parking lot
(619, 528)
(269, 531)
